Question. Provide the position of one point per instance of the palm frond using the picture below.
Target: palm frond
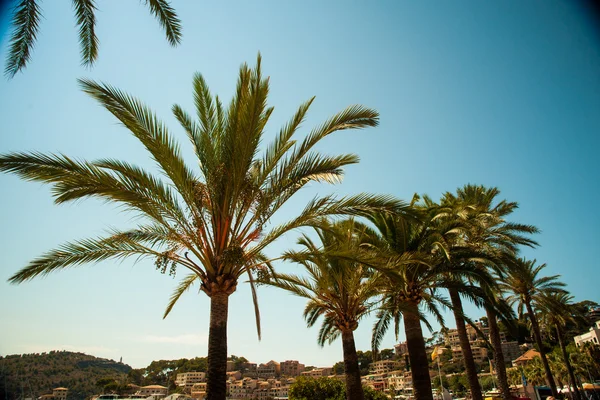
(183, 286)
(116, 246)
(255, 303)
(25, 28)
(86, 20)
(150, 131)
(167, 18)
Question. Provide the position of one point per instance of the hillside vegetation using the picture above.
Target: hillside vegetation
(31, 375)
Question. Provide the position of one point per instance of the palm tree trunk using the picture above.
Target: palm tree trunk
(419, 363)
(572, 379)
(498, 355)
(538, 340)
(216, 386)
(354, 390)
(465, 345)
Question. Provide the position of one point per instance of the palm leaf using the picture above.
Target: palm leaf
(117, 246)
(183, 286)
(25, 28)
(86, 20)
(167, 18)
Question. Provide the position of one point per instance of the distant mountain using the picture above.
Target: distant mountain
(31, 375)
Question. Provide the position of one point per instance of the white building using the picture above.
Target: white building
(592, 336)
(153, 390)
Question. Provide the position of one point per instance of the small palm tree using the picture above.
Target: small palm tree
(527, 288)
(339, 288)
(26, 20)
(212, 221)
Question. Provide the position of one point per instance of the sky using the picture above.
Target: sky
(503, 94)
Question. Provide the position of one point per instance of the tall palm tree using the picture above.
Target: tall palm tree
(28, 13)
(214, 221)
(413, 253)
(495, 305)
(492, 241)
(527, 287)
(339, 288)
(557, 310)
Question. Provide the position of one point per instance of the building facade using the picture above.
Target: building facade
(291, 368)
(593, 336)
(188, 379)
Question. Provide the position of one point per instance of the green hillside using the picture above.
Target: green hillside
(31, 375)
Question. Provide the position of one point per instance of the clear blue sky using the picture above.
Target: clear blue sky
(502, 94)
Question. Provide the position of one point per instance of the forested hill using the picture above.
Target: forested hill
(31, 375)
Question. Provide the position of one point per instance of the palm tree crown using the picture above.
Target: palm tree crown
(339, 287)
(212, 221)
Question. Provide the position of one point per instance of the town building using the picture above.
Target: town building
(401, 349)
(384, 366)
(268, 370)
(452, 339)
(153, 390)
(593, 336)
(378, 382)
(318, 372)
(480, 354)
(400, 383)
(291, 368)
(60, 393)
(188, 379)
(198, 391)
(525, 358)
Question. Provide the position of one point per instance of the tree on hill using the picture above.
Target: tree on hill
(31, 375)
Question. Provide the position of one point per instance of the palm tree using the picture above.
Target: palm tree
(28, 13)
(413, 253)
(523, 281)
(339, 288)
(495, 306)
(557, 311)
(492, 241)
(214, 221)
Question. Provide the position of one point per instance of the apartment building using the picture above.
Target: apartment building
(377, 382)
(480, 354)
(318, 372)
(188, 379)
(258, 389)
(268, 370)
(400, 382)
(60, 393)
(384, 366)
(291, 368)
(452, 339)
(198, 391)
